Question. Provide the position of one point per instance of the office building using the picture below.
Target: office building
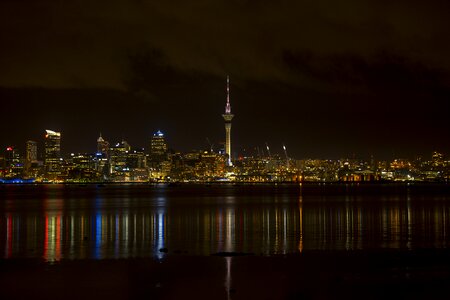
(52, 154)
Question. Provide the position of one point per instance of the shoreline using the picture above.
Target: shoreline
(238, 183)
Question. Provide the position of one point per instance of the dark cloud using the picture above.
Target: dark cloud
(381, 72)
(86, 43)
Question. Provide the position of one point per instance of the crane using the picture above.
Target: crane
(287, 158)
(211, 145)
(268, 150)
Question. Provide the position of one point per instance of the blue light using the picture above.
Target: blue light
(16, 181)
(160, 241)
(98, 235)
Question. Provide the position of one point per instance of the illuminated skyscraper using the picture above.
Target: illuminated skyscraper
(102, 156)
(31, 151)
(158, 163)
(158, 147)
(228, 116)
(14, 163)
(118, 156)
(9, 161)
(52, 152)
(31, 154)
(102, 145)
(437, 159)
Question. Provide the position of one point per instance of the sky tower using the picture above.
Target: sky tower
(228, 116)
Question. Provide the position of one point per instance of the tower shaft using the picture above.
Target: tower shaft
(228, 142)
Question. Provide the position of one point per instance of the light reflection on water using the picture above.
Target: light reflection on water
(56, 222)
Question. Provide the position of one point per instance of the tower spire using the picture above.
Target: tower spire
(100, 138)
(228, 106)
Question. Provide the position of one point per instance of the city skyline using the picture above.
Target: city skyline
(277, 150)
(121, 162)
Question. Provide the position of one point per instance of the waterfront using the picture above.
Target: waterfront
(381, 232)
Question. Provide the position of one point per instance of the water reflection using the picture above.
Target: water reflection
(228, 277)
(106, 225)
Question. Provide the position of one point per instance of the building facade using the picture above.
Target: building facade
(52, 154)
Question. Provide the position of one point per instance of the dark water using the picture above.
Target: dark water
(57, 222)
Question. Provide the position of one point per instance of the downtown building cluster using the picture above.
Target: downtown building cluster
(120, 162)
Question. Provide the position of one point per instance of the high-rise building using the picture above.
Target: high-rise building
(437, 159)
(13, 163)
(31, 155)
(102, 145)
(52, 157)
(9, 157)
(9, 162)
(102, 156)
(136, 159)
(158, 147)
(102, 164)
(136, 163)
(118, 157)
(81, 161)
(158, 163)
(228, 116)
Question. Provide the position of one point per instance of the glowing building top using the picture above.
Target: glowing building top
(158, 133)
(100, 139)
(52, 133)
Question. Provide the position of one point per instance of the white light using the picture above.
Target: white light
(51, 132)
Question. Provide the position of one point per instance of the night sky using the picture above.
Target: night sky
(328, 79)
